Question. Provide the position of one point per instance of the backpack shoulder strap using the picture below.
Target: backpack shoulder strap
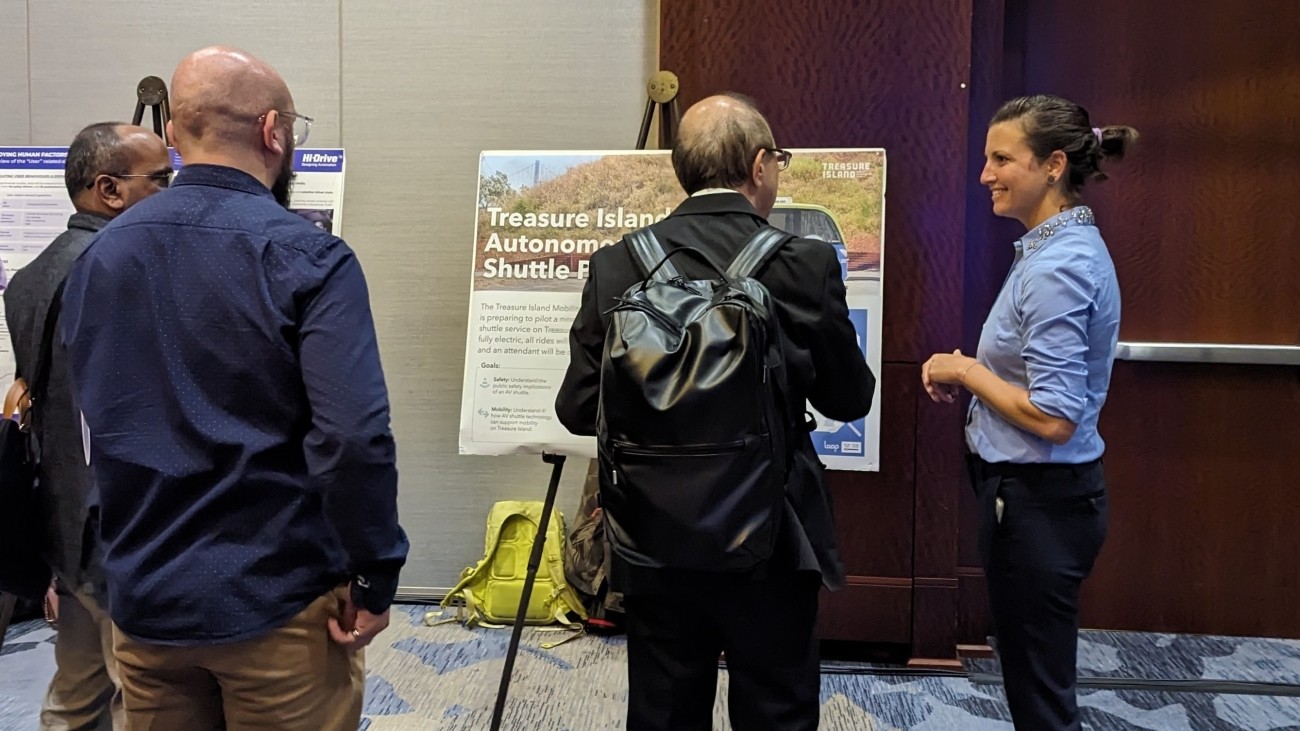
(765, 242)
(566, 598)
(648, 252)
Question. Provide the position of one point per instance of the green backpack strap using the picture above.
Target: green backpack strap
(568, 599)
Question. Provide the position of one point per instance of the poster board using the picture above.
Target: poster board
(35, 206)
(540, 215)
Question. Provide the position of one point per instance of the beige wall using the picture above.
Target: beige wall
(413, 90)
(14, 112)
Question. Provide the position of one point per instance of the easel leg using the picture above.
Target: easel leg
(645, 125)
(669, 118)
(534, 562)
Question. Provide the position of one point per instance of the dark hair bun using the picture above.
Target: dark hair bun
(1116, 140)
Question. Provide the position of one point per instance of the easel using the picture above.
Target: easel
(152, 92)
(662, 89)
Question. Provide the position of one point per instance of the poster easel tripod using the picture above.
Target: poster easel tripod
(662, 90)
(152, 92)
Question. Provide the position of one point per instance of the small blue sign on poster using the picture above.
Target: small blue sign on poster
(842, 254)
(839, 438)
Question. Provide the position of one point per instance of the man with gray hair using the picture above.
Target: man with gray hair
(679, 621)
(225, 359)
(110, 167)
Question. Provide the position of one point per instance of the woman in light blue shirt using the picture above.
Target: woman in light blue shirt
(1038, 382)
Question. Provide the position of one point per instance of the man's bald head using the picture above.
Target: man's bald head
(230, 108)
(718, 141)
(217, 96)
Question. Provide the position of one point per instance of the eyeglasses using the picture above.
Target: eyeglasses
(782, 157)
(162, 178)
(301, 125)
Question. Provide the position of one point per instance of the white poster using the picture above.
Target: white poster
(34, 208)
(317, 190)
(540, 216)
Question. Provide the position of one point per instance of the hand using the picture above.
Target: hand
(942, 372)
(356, 628)
(18, 400)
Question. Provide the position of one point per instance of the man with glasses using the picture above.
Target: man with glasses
(223, 354)
(110, 167)
(764, 620)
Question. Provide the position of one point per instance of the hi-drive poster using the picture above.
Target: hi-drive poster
(540, 215)
(34, 208)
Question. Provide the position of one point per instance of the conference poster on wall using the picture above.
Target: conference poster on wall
(34, 208)
(539, 217)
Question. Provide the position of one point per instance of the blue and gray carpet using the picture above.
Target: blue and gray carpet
(445, 677)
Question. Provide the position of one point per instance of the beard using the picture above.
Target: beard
(283, 181)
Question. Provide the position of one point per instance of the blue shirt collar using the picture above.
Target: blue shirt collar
(221, 176)
(1042, 234)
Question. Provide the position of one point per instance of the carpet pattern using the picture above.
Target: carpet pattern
(1146, 655)
(445, 677)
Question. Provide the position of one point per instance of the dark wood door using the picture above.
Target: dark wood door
(870, 73)
(1203, 461)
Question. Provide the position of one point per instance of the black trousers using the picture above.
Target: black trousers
(1036, 557)
(765, 627)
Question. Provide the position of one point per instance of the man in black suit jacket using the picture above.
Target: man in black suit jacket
(764, 621)
(110, 167)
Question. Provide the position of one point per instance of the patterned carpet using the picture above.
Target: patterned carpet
(1115, 655)
(445, 677)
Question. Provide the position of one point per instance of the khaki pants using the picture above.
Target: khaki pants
(84, 693)
(294, 678)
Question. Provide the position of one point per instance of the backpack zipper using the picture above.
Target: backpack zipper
(630, 304)
(679, 450)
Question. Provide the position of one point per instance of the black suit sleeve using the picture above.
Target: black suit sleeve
(20, 308)
(845, 385)
(576, 404)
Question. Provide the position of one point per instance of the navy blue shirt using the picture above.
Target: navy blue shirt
(223, 355)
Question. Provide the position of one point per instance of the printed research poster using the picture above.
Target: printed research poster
(540, 215)
(34, 208)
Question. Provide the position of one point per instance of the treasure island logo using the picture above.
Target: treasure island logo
(846, 169)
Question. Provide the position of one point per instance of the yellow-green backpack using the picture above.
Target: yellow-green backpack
(490, 589)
